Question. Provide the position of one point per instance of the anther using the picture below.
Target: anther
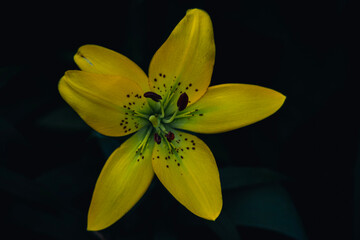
(155, 97)
(182, 101)
(157, 138)
(170, 136)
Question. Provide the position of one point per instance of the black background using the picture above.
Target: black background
(294, 175)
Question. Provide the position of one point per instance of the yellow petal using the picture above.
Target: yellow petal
(185, 61)
(124, 179)
(229, 106)
(96, 59)
(190, 174)
(106, 103)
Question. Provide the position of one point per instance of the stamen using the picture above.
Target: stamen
(157, 138)
(182, 101)
(168, 97)
(163, 129)
(154, 96)
(144, 141)
(181, 104)
(170, 136)
(163, 133)
(138, 114)
(188, 114)
(172, 117)
(162, 111)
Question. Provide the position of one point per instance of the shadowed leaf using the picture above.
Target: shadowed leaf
(236, 177)
(268, 207)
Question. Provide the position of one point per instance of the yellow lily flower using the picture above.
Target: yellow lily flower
(116, 98)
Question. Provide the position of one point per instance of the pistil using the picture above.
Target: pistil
(154, 121)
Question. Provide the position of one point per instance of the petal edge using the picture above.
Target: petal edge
(190, 174)
(184, 63)
(105, 102)
(97, 59)
(227, 107)
(123, 180)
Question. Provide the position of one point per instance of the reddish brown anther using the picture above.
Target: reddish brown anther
(157, 138)
(182, 101)
(154, 96)
(170, 136)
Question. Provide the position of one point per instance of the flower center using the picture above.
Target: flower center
(160, 130)
(159, 120)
